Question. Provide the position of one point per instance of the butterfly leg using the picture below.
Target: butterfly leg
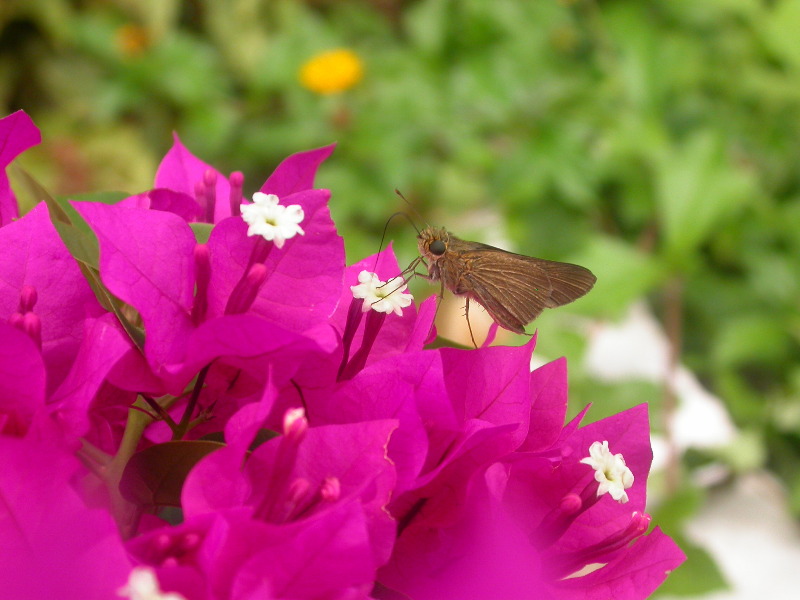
(469, 325)
(439, 299)
(406, 276)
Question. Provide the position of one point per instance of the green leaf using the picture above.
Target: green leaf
(780, 27)
(202, 231)
(82, 244)
(794, 494)
(697, 191)
(678, 507)
(697, 576)
(102, 197)
(624, 274)
(112, 304)
(426, 23)
(754, 338)
(154, 477)
(262, 435)
(381, 592)
(73, 230)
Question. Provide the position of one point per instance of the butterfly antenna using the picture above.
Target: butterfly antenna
(399, 213)
(411, 206)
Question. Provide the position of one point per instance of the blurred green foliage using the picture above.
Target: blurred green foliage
(656, 142)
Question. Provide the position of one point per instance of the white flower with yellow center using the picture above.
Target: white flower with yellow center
(610, 471)
(275, 223)
(382, 297)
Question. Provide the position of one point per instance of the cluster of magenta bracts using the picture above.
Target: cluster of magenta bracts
(354, 462)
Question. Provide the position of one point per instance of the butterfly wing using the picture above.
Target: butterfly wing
(515, 289)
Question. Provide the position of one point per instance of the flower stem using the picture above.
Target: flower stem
(186, 420)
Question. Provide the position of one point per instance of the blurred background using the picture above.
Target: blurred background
(656, 143)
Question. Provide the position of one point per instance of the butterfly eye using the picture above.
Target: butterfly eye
(437, 247)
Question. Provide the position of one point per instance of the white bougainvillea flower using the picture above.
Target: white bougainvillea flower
(610, 471)
(143, 585)
(272, 221)
(382, 296)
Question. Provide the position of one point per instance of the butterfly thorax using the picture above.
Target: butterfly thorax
(441, 252)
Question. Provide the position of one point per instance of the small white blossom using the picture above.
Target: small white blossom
(382, 297)
(143, 585)
(610, 471)
(269, 219)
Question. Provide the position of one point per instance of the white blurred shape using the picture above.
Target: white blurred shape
(638, 348)
(753, 539)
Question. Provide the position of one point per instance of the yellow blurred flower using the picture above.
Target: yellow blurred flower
(132, 40)
(332, 71)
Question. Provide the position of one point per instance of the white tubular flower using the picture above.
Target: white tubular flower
(143, 585)
(382, 297)
(275, 223)
(610, 471)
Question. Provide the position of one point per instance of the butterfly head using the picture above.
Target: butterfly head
(433, 242)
